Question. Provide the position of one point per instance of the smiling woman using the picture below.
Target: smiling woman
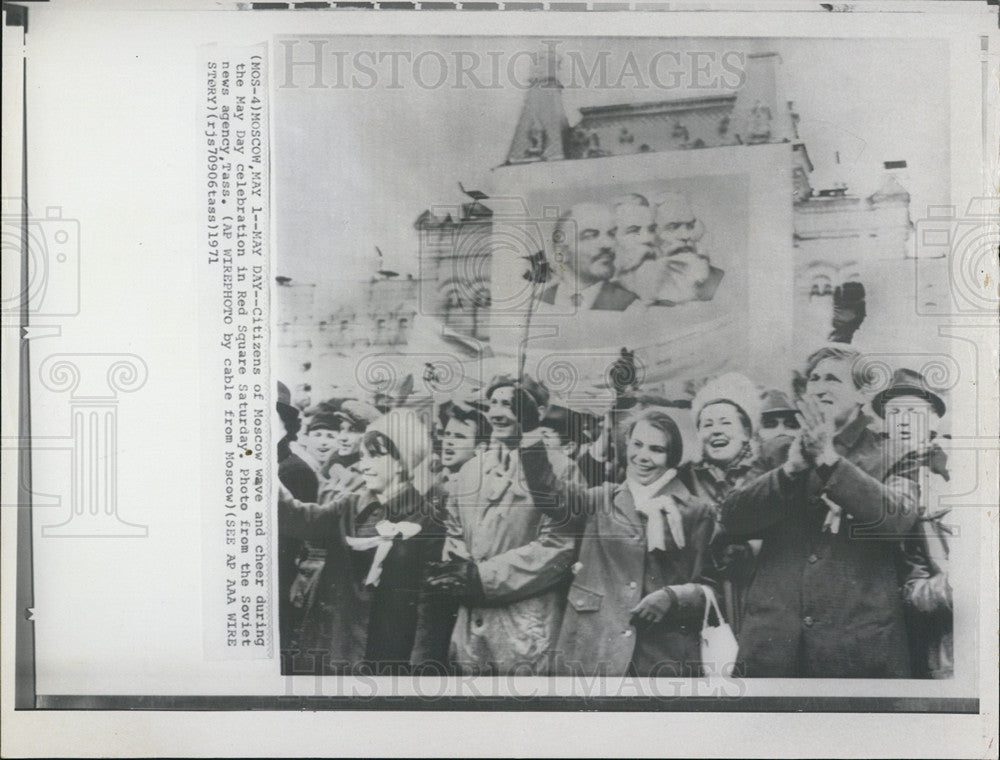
(365, 611)
(637, 597)
(726, 413)
(653, 447)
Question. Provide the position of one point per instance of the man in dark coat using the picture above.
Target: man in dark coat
(585, 253)
(825, 600)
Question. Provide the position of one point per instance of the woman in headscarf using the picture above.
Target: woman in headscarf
(726, 414)
(363, 614)
(636, 602)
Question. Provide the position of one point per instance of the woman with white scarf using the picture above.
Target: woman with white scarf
(365, 612)
(636, 602)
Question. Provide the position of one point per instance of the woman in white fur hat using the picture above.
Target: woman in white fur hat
(726, 414)
(364, 613)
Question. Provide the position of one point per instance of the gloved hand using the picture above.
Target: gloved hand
(931, 594)
(350, 482)
(653, 607)
(535, 466)
(937, 461)
(734, 559)
(454, 579)
(848, 311)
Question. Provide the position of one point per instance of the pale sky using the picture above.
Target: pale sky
(355, 167)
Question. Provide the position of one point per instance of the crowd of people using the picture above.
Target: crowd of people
(507, 534)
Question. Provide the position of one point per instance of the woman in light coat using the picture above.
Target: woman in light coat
(636, 602)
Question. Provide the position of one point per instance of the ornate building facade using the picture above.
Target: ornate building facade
(837, 236)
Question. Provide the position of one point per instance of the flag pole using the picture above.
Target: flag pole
(538, 275)
(522, 358)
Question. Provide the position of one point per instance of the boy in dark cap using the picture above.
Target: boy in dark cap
(563, 432)
(350, 420)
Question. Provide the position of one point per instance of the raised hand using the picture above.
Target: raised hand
(351, 482)
(817, 432)
(796, 460)
(531, 438)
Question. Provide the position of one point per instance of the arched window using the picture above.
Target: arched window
(820, 286)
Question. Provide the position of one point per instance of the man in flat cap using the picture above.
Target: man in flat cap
(910, 412)
(778, 416)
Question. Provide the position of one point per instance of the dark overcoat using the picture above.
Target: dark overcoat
(825, 604)
(350, 626)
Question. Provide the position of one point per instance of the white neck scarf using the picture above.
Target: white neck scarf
(382, 543)
(661, 512)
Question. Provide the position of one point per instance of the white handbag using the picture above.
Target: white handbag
(719, 647)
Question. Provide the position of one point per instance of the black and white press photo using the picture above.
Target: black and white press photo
(613, 356)
(499, 378)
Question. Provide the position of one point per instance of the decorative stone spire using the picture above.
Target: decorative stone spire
(542, 127)
(761, 114)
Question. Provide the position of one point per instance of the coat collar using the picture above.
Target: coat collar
(717, 474)
(653, 489)
(849, 435)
